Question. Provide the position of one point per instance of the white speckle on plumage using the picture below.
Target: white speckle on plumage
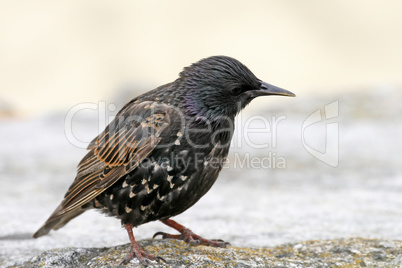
(144, 181)
(169, 168)
(183, 178)
(111, 197)
(125, 184)
(160, 197)
(155, 186)
(169, 179)
(148, 190)
(131, 195)
(128, 210)
(177, 142)
(205, 163)
(143, 207)
(179, 134)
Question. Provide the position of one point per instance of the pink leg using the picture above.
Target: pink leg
(136, 251)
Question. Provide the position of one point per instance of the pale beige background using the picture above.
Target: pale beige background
(56, 54)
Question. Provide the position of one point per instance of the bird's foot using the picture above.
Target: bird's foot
(144, 257)
(189, 237)
(194, 240)
(137, 252)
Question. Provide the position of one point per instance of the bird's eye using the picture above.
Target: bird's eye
(237, 91)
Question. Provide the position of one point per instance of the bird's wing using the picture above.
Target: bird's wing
(119, 149)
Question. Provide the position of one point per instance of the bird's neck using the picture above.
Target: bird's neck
(210, 131)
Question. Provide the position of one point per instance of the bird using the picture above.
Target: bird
(163, 151)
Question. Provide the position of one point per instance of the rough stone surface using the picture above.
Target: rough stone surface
(352, 252)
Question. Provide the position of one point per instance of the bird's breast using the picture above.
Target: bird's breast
(166, 183)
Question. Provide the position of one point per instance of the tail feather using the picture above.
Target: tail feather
(57, 222)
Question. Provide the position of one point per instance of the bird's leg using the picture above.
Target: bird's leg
(137, 251)
(188, 236)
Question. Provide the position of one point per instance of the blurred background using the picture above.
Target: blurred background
(56, 56)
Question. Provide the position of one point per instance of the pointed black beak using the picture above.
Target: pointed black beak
(268, 89)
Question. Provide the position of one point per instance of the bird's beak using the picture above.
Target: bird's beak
(268, 89)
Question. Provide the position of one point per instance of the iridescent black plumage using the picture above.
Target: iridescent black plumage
(159, 155)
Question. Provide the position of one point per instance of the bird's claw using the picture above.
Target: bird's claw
(159, 233)
(221, 241)
(192, 239)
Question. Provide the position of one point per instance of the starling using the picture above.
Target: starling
(163, 151)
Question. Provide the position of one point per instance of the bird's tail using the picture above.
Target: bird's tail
(57, 222)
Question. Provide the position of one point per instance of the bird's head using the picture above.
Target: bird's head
(222, 86)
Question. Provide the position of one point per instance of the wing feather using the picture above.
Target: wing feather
(118, 150)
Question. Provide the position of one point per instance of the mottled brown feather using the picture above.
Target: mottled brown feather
(136, 131)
